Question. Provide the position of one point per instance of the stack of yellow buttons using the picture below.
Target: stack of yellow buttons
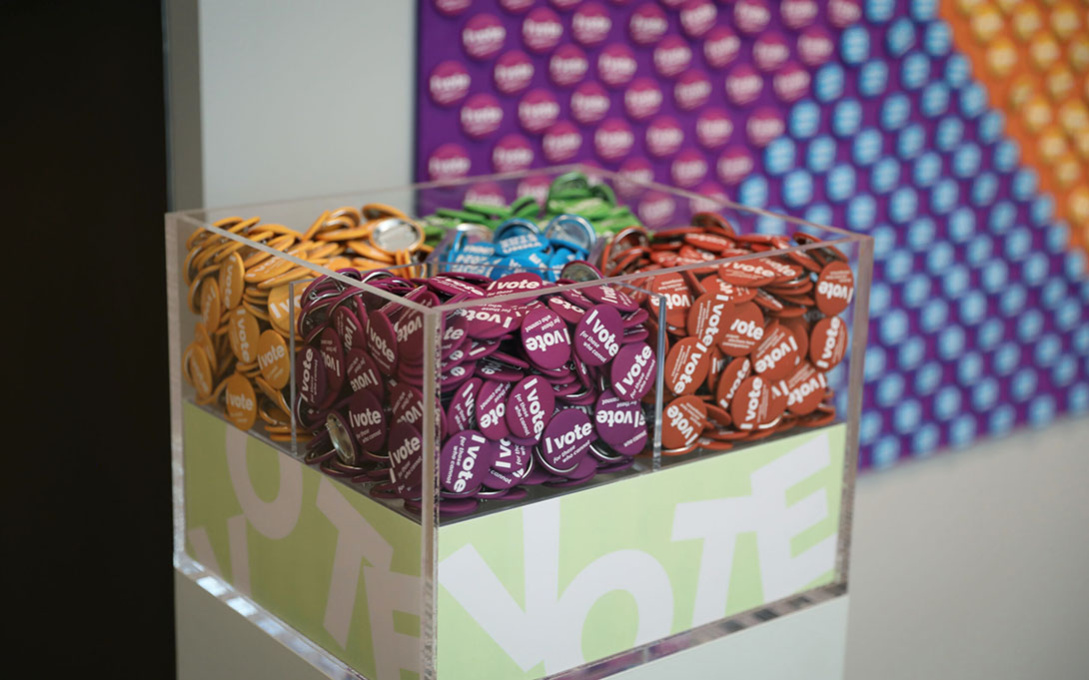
(239, 359)
(1034, 55)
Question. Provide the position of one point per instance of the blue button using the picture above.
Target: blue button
(1007, 154)
(949, 133)
(879, 11)
(1065, 371)
(894, 327)
(916, 291)
(1024, 384)
(904, 205)
(779, 156)
(973, 308)
(840, 183)
(1041, 410)
(1068, 315)
(911, 354)
(1074, 264)
(980, 249)
(771, 224)
(1078, 399)
(934, 315)
(1018, 244)
(797, 188)
(921, 234)
(926, 169)
(1057, 237)
(1035, 269)
(899, 266)
(821, 154)
(1007, 358)
(867, 146)
(956, 281)
(925, 441)
(819, 214)
(873, 78)
(885, 176)
(962, 224)
(951, 343)
(901, 37)
(962, 431)
(846, 118)
(924, 10)
(855, 45)
(985, 395)
(1003, 215)
(947, 403)
(890, 389)
(990, 126)
(1001, 420)
(861, 212)
(1025, 184)
(935, 100)
(805, 119)
(939, 258)
(907, 416)
(945, 196)
(880, 296)
(1013, 302)
(828, 82)
(910, 141)
(995, 274)
(938, 39)
(1048, 350)
(869, 427)
(990, 334)
(928, 378)
(753, 192)
(915, 71)
(966, 160)
(1053, 293)
(973, 100)
(886, 452)
(1042, 210)
(958, 71)
(895, 111)
(875, 363)
(984, 189)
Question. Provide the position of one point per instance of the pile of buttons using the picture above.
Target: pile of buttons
(748, 341)
(241, 294)
(569, 193)
(553, 388)
(518, 245)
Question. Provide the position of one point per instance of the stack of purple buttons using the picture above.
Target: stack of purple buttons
(548, 389)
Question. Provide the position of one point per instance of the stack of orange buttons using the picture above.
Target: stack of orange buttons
(749, 341)
(238, 359)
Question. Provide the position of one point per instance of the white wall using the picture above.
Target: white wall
(970, 565)
(304, 98)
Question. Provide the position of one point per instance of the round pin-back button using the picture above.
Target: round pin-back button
(620, 423)
(363, 373)
(777, 354)
(406, 403)
(835, 288)
(686, 366)
(491, 409)
(311, 375)
(405, 448)
(744, 330)
(597, 336)
(340, 438)
(633, 371)
(332, 355)
(231, 285)
(464, 461)
(381, 342)
(566, 439)
(211, 304)
(804, 389)
(683, 420)
(243, 333)
(730, 380)
(489, 321)
(751, 402)
(749, 273)
(545, 339)
(571, 313)
(461, 414)
(828, 343)
(529, 407)
(241, 402)
(349, 326)
(609, 295)
(272, 358)
(707, 318)
(367, 421)
(511, 464)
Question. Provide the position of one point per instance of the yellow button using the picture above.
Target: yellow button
(986, 23)
(1008, 6)
(1067, 170)
(1074, 117)
(1044, 50)
(241, 402)
(1021, 90)
(966, 6)
(1026, 22)
(1060, 82)
(1081, 143)
(1002, 57)
(1064, 20)
(1078, 53)
(1079, 205)
(1037, 113)
(1052, 143)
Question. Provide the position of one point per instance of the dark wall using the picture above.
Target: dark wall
(86, 476)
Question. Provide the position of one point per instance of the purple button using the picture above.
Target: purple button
(632, 372)
(490, 370)
(513, 72)
(350, 327)
(492, 320)
(566, 440)
(332, 355)
(529, 407)
(310, 375)
(367, 421)
(597, 337)
(512, 462)
(620, 423)
(363, 374)
(515, 283)
(448, 284)
(491, 408)
(545, 339)
(455, 334)
(382, 342)
(405, 446)
(464, 461)
(567, 311)
(461, 413)
(407, 404)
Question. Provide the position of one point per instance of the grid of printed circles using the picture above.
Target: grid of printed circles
(979, 309)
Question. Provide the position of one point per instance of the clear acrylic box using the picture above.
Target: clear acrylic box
(651, 554)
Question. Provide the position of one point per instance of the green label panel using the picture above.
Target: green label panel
(526, 592)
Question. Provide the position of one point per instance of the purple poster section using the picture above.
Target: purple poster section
(857, 113)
